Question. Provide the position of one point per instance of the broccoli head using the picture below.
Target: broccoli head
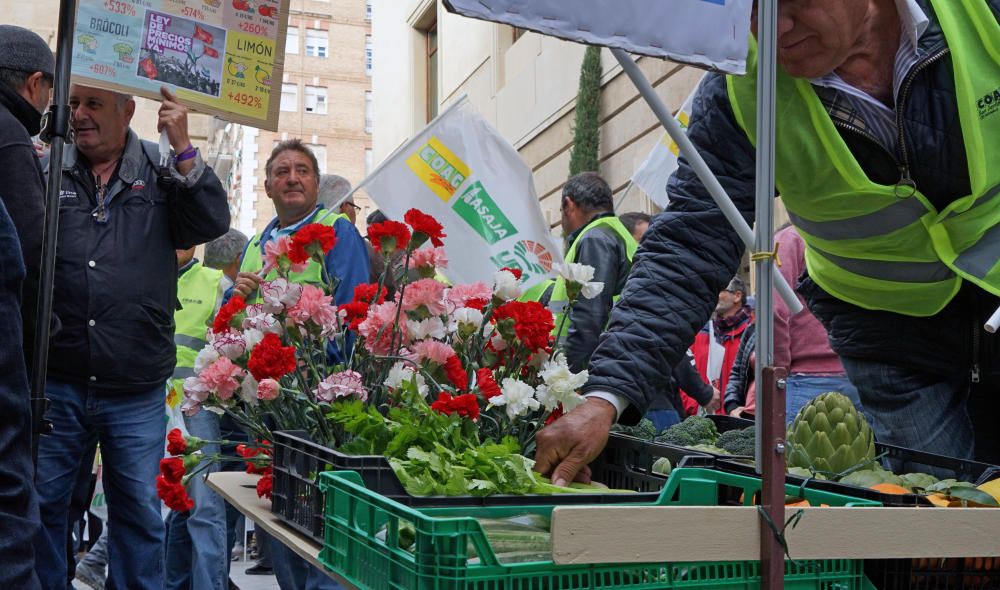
(738, 442)
(694, 430)
(644, 429)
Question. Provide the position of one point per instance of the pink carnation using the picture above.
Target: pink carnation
(343, 384)
(432, 351)
(426, 292)
(379, 317)
(221, 376)
(230, 343)
(278, 249)
(315, 305)
(268, 389)
(459, 295)
(429, 258)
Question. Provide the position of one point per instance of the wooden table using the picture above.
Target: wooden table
(240, 490)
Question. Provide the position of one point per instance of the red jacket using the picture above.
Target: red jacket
(730, 340)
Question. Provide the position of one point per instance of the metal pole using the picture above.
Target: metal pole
(624, 194)
(57, 129)
(768, 436)
(700, 168)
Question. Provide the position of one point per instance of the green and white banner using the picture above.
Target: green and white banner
(463, 172)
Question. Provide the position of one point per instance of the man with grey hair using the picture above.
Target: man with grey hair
(225, 253)
(26, 71)
(121, 219)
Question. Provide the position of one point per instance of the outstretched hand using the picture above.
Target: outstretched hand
(566, 447)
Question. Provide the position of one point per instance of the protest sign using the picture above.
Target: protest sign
(221, 57)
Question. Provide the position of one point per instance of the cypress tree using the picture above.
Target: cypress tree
(584, 156)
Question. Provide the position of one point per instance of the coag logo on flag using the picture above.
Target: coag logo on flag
(438, 168)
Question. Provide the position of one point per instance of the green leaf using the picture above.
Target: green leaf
(972, 495)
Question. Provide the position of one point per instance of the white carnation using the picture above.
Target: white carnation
(424, 329)
(561, 384)
(505, 285)
(205, 358)
(517, 396)
(401, 373)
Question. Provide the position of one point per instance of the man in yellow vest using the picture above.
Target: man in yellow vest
(292, 183)
(595, 237)
(888, 139)
(195, 555)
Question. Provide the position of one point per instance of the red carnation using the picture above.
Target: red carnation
(486, 383)
(389, 236)
(365, 293)
(427, 226)
(464, 405)
(265, 485)
(269, 359)
(514, 271)
(456, 373)
(258, 458)
(533, 324)
(227, 312)
(176, 445)
(356, 313)
(477, 304)
(313, 239)
(172, 468)
(173, 494)
(555, 415)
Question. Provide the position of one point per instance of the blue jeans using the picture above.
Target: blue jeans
(802, 388)
(295, 573)
(663, 419)
(196, 554)
(915, 409)
(131, 430)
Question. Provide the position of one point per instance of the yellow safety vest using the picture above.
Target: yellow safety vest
(198, 292)
(886, 247)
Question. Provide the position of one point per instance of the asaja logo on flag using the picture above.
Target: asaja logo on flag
(438, 168)
(481, 212)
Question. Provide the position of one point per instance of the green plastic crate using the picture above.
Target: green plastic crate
(440, 558)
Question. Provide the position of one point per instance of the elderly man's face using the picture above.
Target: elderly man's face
(292, 184)
(815, 37)
(100, 119)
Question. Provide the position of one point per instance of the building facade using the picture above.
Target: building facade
(525, 84)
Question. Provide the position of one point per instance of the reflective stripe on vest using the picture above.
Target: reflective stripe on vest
(558, 302)
(253, 259)
(886, 247)
(198, 292)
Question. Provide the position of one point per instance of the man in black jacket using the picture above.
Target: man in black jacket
(121, 219)
(884, 71)
(26, 69)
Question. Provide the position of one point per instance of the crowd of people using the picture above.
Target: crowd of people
(896, 292)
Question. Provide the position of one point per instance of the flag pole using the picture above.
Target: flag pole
(700, 168)
(624, 194)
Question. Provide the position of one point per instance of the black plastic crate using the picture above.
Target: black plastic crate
(952, 573)
(298, 462)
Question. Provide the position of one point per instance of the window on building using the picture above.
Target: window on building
(292, 40)
(289, 97)
(432, 72)
(368, 162)
(369, 112)
(320, 152)
(368, 55)
(317, 43)
(368, 10)
(316, 99)
(518, 33)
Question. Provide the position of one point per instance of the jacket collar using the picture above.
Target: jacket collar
(130, 167)
(573, 236)
(21, 109)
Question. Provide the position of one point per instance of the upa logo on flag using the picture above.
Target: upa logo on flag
(438, 168)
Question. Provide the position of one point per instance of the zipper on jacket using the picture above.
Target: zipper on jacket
(974, 372)
(904, 164)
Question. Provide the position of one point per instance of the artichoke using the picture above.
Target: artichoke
(830, 436)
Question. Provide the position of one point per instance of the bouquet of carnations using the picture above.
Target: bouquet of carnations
(436, 377)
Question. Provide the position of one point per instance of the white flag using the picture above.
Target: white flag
(712, 34)
(661, 162)
(464, 173)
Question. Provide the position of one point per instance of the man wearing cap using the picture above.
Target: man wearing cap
(122, 216)
(26, 70)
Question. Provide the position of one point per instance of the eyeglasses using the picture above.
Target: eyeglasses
(356, 208)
